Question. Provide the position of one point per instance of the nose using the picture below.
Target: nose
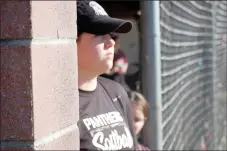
(109, 42)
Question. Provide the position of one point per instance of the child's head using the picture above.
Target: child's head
(140, 110)
(95, 46)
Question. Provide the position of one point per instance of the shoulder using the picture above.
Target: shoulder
(114, 89)
(112, 85)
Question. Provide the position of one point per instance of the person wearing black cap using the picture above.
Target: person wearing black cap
(105, 121)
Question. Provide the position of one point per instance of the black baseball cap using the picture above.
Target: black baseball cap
(93, 19)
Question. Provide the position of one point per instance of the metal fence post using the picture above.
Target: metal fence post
(214, 67)
(151, 72)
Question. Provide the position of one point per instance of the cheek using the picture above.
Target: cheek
(99, 52)
(101, 55)
(138, 126)
(89, 52)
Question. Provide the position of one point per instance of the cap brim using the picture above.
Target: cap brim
(106, 25)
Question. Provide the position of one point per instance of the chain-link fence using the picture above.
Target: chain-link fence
(193, 54)
(220, 74)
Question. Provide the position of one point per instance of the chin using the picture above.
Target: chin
(109, 64)
(107, 68)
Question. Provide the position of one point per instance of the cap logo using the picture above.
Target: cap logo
(97, 8)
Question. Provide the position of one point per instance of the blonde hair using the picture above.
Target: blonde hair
(140, 102)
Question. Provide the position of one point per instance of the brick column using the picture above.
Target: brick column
(39, 94)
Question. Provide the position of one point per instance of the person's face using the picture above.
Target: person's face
(95, 53)
(138, 118)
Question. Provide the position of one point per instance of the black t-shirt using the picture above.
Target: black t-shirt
(105, 118)
(119, 78)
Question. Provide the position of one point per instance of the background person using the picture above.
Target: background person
(140, 114)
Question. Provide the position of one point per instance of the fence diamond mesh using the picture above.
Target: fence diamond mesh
(193, 55)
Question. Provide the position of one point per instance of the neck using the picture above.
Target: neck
(87, 81)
